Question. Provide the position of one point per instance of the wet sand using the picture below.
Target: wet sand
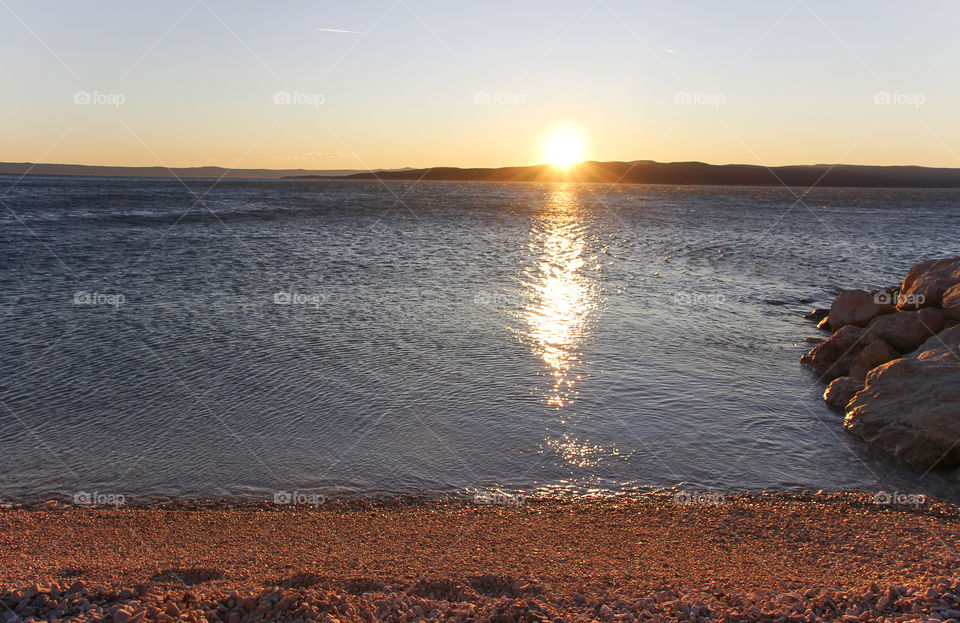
(751, 557)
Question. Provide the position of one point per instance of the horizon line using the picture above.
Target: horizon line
(447, 166)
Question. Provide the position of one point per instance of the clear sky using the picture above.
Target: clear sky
(447, 82)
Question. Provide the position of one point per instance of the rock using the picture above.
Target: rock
(841, 390)
(927, 281)
(874, 354)
(824, 324)
(950, 302)
(906, 330)
(834, 357)
(910, 408)
(948, 337)
(944, 354)
(814, 340)
(856, 307)
(817, 315)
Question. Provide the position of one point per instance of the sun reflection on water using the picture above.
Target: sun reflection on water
(561, 295)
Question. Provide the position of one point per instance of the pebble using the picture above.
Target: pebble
(447, 601)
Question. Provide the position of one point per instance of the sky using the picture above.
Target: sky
(395, 83)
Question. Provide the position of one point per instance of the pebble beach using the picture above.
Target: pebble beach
(772, 557)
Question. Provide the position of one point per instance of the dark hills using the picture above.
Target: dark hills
(637, 172)
(650, 172)
(29, 168)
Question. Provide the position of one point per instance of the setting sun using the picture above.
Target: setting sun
(564, 148)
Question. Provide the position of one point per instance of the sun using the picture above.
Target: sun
(564, 148)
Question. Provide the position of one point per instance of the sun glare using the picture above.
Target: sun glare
(563, 149)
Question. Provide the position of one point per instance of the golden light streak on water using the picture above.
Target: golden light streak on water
(560, 294)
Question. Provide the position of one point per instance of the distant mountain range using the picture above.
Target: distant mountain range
(650, 172)
(21, 168)
(636, 172)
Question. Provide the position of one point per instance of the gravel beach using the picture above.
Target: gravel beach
(776, 557)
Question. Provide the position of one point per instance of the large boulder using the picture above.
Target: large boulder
(927, 281)
(874, 354)
(856, 307)
(947, 337)
(906, 330)
(833, 358)
(841, 390)
(910, 408)
(950, 302)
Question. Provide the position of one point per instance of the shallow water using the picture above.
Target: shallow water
(355, 338)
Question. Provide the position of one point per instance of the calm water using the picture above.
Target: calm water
(355, 338)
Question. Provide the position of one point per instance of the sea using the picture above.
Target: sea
(282, 339)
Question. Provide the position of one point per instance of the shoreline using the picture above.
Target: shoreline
(744, 558)
(467, 498)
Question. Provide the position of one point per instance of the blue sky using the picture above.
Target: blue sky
(423, 83)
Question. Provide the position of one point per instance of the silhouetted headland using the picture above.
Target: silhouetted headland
(32, 168)
(694, 173)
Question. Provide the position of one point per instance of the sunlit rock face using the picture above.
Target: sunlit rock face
(841, 390)
(875, 354)
(856, 307)
(833, 358)
(926, 283)
(901, 332)
(910, 408)
(907, 330)
(951, 302)
(948, 337)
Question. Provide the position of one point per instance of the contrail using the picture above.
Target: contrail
(352, 32)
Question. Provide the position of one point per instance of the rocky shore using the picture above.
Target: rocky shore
(775, 557)
(892, 362)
